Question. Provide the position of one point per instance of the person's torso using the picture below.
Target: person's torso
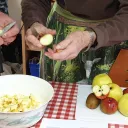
(91, 9)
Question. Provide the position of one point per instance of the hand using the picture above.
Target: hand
(9, 36)
(71, 46)
(33, 33)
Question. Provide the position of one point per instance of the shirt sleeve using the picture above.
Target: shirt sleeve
(114, 30)
(35, 11)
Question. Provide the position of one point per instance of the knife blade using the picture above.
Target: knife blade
(6, 28)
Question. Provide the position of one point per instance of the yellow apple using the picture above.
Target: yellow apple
(46, 39)
(123, 105)
(101, 79)
(115, 91)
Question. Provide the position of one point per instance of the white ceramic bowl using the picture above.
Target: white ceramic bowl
(24, 84)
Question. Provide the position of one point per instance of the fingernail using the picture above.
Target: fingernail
(58, 47)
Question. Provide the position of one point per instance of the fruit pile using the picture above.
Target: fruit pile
(108, 95)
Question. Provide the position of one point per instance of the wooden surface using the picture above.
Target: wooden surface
(119, 70)
(24, 52)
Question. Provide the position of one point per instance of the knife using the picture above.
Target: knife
(6, 28)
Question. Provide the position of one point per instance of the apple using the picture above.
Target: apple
(101, 92)
(123, 105)
(115, 91)
(109, 105)
(101, 79)
(125, 91)
(46, 39)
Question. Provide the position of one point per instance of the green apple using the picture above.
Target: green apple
(115, 91)
(123, 105)
(101, 79)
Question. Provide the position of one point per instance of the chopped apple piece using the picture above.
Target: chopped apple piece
(101, 92)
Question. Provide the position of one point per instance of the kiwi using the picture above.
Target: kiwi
(92, 101)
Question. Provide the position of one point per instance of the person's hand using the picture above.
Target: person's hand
(71, 46)
(10, 35)
(33, 33)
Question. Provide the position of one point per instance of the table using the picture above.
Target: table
(63, 104)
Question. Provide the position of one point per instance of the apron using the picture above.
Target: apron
(87, 64)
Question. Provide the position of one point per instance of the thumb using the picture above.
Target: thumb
(42, 30)
(64, 44)
(50, 31)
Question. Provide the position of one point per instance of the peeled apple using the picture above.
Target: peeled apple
(46, 39)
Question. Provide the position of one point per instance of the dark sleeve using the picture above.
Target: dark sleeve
(114, 30)
(35, 11)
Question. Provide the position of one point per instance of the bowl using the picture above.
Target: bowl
(26, 85)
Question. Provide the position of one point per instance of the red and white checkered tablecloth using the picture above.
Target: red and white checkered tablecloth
(63, 104)
(117, 126)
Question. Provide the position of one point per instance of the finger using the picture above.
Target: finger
(50, 31)
(59, 55)
(64, 44)
(5, 43)
(70, 52)
(12, 32)
(50, 50)
(70, 57)
(28, 32)
(6, 22)
(34, 41)
(1, 41)
(9, 40)
(33, 48)
(41, 30)
(54, 48)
